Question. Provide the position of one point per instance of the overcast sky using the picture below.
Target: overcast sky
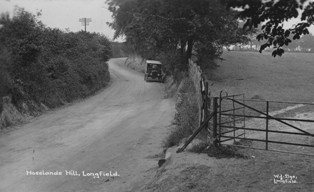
(66, 13)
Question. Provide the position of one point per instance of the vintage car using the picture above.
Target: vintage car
(153, 71)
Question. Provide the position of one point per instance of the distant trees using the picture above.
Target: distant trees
(119, 49)
(304, 44)
(175, 29)
(307, 42)
(47, 65)
(271, 14)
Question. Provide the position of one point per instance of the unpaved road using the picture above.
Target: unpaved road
(116, 130)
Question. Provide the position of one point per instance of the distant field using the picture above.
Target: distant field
(286, 78)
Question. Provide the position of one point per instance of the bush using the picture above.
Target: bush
(4, 77)
(47, 65)
(186, 117)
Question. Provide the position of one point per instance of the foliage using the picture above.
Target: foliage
(272, 14)
(47, 65)
(4, 76)
(120, 50)
(304, 44)
(186, 116)
(187, 27)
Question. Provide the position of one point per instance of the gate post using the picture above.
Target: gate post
(233, 120)
(215, 124)
(206, 112)
(267, 118)
(202, 104)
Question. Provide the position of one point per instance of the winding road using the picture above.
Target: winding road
(119, 130)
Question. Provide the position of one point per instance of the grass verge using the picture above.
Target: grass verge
(186, 117)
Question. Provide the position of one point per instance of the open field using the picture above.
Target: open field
(259, 76)
(287, 78)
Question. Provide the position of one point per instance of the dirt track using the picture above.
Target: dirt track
(115, 130)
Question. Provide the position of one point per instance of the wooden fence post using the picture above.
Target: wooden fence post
(206, 112)
(215, 105)
(202, 104)
(233, 120)
(206, 101)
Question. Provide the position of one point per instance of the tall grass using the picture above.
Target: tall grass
(186, 117)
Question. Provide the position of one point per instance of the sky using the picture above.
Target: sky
(64, 14)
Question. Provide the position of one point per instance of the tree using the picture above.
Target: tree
(47, 65)
(272, 14)
(307, 42)
(188, 27)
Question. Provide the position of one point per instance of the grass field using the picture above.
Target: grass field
(259, 75)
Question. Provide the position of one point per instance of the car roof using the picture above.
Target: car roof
(153, 62)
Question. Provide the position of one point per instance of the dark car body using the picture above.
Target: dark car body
(153, 71)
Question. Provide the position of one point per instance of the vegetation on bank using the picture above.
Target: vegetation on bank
(186, 117)
(49, 66)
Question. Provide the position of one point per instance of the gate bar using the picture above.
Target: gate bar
(232, 109)
(273, 117)
(278, 142)
(226, 140)
(231, 131)
(226, 122)
(261, 130)
(282, 102)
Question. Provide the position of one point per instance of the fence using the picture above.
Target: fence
(233, 119)
(195, 74)
(268, 130)
(203, 100)
(229, 114)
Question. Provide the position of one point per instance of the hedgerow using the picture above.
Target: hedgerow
(186, 116)
(49, 66)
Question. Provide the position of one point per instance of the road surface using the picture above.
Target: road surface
(116, 131)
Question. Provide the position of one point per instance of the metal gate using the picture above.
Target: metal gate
(234, 111)
(230, 116)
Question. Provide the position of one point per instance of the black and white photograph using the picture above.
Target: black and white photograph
(157, 95)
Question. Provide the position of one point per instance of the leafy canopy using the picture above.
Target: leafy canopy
(182, 27)
(272, 14)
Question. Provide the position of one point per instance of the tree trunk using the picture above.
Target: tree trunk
(189, 50)
(183, 54)
(182, 48)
